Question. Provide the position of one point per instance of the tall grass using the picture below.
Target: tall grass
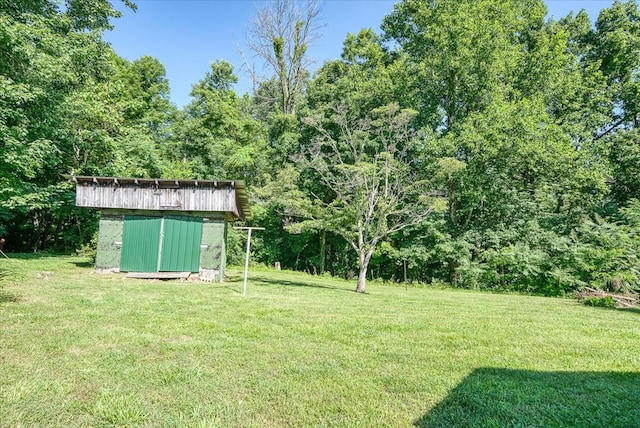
(80, 349)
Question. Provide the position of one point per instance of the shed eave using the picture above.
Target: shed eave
(235, 204)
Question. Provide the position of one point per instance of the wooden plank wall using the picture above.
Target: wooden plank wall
(221, 199)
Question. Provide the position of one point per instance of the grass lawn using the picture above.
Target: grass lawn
(80, 349)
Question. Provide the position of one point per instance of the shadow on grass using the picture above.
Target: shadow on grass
(233, 283)
(7, 297)
(522, 398)
(34, 256)
(84, 264)
(631, 310)
(286, 283)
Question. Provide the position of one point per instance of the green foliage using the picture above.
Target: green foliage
(216, 136)
(61, 112)
(616, 45)
(625, 158)
(518, 132)
(603, 302)
(235, 248)
(466, 53)
(284, 136)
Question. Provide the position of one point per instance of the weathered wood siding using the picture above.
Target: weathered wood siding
(131, 197)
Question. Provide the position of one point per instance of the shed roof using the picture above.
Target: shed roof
(229, 196)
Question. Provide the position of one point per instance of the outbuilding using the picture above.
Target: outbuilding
(153, 227)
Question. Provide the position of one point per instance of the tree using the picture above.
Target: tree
(144, 94)
(216, 135)
(48, 55)
(522, 188)
(616, 45)
(69, 105)
(464, 53)
(376, 187)
(366, 77)
(281, 34)
(625, 158)
(516, 105)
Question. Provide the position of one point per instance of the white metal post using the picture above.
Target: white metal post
(246, 260)
(246, 263)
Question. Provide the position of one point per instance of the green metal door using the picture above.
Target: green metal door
(140, 244)
(181, 244)
(168, 244)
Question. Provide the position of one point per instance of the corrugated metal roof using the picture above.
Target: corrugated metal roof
(203, 201)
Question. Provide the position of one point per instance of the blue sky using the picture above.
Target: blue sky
(187, 35)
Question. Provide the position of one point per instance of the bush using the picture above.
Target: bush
(603, 302)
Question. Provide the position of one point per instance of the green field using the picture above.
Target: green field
(81, 349)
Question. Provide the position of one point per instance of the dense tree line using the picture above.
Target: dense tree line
(471, 142)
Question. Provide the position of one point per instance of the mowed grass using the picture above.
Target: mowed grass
(81, 349)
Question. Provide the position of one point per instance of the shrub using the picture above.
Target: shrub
(604, 302)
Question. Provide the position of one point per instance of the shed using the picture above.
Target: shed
(155, 226)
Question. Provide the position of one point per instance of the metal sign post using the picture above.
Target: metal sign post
(246, 260)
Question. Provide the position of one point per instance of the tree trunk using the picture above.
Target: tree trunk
(362, 278)
(323, 251)
(453, 274)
